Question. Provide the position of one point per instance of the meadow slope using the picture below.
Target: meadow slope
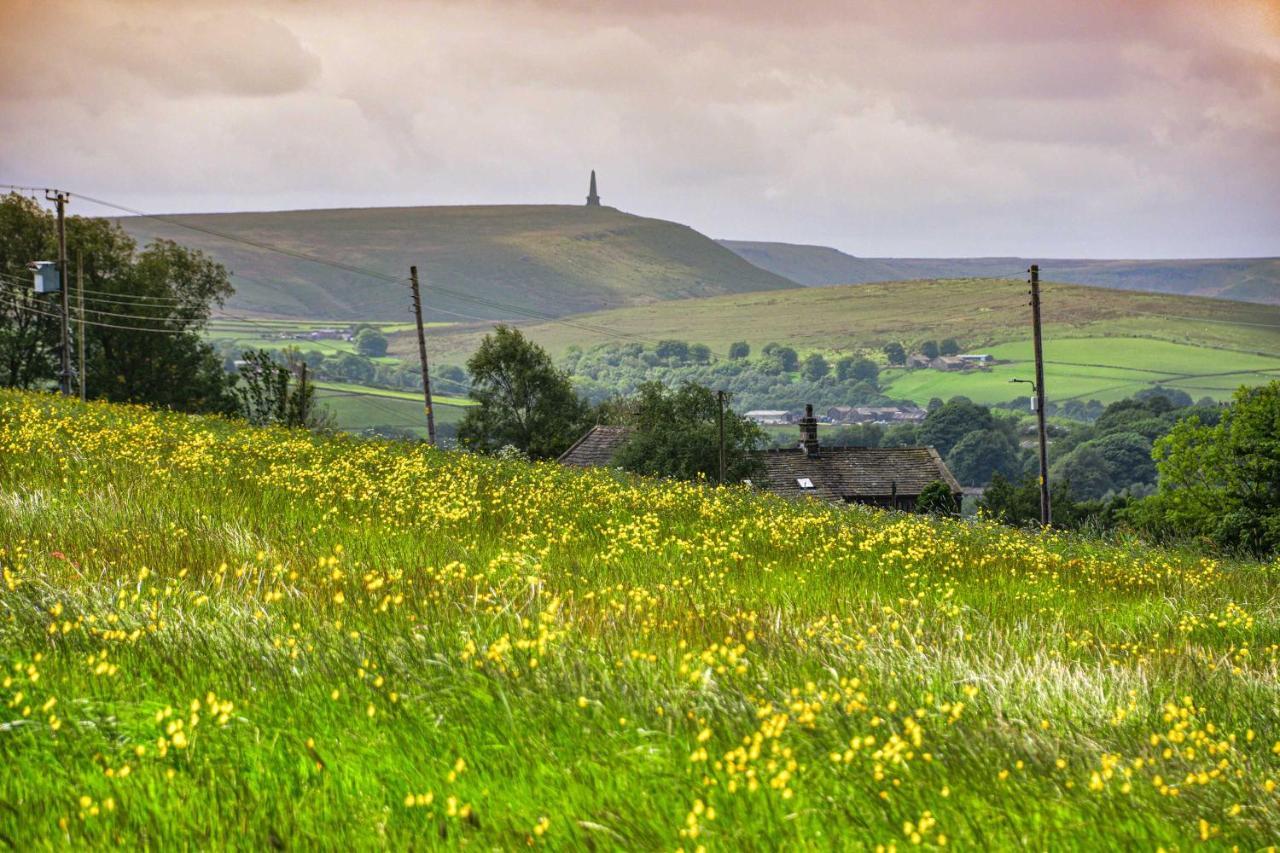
(219, 636)
(490, 262)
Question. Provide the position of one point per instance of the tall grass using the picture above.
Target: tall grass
(218, 636)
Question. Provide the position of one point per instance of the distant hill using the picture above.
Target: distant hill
(1242, 279)
(488, 263)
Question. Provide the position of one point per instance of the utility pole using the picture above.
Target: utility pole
(80, 312)
(60, 199)
(422, 354)
(720, 397)
(1046, 515)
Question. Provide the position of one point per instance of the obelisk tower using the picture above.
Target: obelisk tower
(593, 198)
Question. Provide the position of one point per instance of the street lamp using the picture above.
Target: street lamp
(1033, 390)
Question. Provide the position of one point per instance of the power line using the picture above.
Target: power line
(266, 247)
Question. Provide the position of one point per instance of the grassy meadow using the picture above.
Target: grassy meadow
(979, 313)
(1105, 369)
(219, 636)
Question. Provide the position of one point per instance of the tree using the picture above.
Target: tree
(937, 499)
(699, 353)
(787, 358)
(523, 400)
(1087, 470)
(272, 393)
(155, 355)
(983, 453)
(1018, 503)
(1127, 456)
(944, 427)
(1223, 482)
(895, 353)
(866, 370)
(929, 349)
(371, 343)
(949, 347)
(739, 349)
(815, 367)
(676, 434)
(677, 351)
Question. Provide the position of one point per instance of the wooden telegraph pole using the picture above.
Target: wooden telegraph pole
(80, 342)
(422, 354)
(720, 398)
(64, 280)
(1046, 516)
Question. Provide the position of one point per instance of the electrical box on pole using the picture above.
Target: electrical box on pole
(46, 276)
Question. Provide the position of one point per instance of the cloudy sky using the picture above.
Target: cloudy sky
(1136, 128)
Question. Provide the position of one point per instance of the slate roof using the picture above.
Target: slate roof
(841, 474)
(596, 449)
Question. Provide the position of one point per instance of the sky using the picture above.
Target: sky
(1036, 128)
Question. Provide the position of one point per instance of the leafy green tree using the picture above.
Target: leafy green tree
(155, 355)
(944, 427)
(1223, 482)
(815, 367)
(866, 370)
(937, 499)
(272, 393)
(929, 349)
(1018, 502)
(524, 401)
(677, 351)
(844, 368)
(28, 333)
(895, 353)
(983, 453)
(676, 434)
(787, 358)
(1088, 471)
(699, 354)
(371, 343)
(1128, 457)
(739, 349)
(949, 347)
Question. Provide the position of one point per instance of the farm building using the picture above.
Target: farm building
(771, 417)
(891, 477)
(875, 414)
(596, 448)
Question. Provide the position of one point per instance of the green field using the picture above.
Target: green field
(496, 262)
(1105, 369)
(358, 407)
(218, 636)
(1202, 336)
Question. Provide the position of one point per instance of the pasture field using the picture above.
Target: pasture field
(1105, 369)
(861, 319)
(357, 410)
(220, 636)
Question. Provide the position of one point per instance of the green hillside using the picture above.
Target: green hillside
(478, 262)
(1100, 343)
(265, 639)
(979, 313)
(1242, 279)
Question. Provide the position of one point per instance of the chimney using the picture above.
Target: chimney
(809, 431)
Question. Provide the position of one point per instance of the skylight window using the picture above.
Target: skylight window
(805, 482)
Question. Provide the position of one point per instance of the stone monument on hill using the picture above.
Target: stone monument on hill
(593, 198)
